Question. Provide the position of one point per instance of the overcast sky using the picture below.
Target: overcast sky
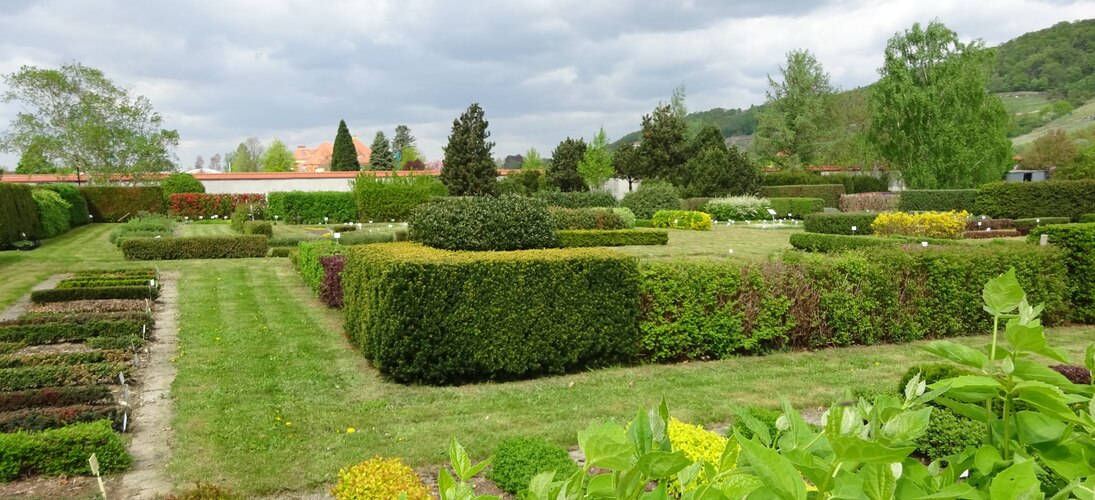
(223, 70)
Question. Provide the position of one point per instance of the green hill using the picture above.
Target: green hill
(1079, 118)
(1059, 60)
(732, 123)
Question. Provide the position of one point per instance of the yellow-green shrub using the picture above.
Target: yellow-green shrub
(379, 478)
(947, 225)
(698, 444)
(682, 219)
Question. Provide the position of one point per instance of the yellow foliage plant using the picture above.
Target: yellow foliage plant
(698, 444)
(947, 225)
(379, 479)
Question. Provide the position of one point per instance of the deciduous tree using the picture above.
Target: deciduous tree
(278, 158)
(931, 117)
(596, 165)
(34, 161)
(791, 127)
(562, 173)
(468, 168)
(89, 123)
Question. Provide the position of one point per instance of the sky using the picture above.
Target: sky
(220, 71)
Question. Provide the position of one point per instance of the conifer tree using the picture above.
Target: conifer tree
(468, 169)
(344, 154)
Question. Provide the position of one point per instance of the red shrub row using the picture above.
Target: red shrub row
(330, 289)
(196, 205)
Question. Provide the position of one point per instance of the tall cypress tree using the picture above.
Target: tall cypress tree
(381, 157)
(469, 169)
(344, 155)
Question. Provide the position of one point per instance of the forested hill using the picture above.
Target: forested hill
(732, 122)
(1059, 60)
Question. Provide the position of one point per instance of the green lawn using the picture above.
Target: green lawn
(268, 385)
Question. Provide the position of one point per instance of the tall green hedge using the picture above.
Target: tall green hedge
(385, 199)
(308, 263)
(1021, 200)
(310, 207)
(78, 214)
(840, 223)
(853, 184)
(18, 214)
(796, 208)
(53, 213)
(830, 193)
(431, 316)
(576, 199)
(1078, 242)
(937, 200)
(483, 223)
(116, 203)
(195, 247)
(709, 310)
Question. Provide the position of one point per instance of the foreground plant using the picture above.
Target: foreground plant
(1038, 442)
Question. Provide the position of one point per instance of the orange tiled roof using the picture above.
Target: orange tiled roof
(319, 158)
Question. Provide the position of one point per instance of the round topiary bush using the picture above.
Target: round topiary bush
(379, 478)
(930, 373)
(181, 183)
(482, 223)
(518, 460)
(651, 197)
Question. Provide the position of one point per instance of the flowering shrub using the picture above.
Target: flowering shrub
(379, 478)
(196, 205)
(947, 225)
(682, 219)
(738, 208)
(697, 444)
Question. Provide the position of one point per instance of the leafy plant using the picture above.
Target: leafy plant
(948, 225)
(379, 478)
(518, 460)
(738, 208)
(682, 219)
(650, 197)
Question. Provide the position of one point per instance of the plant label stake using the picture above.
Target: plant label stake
(125, 421)
(93, 461)
(853, 229)
(337, 236)
(923, 243)
(1043, 240)
(121, 378)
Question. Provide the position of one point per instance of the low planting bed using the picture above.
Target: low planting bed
(195, 247)
(94, 293)
(611, 238)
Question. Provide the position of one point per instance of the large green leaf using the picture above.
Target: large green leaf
(1002, 294)
(1028, 338)
(740, 485)
(759, 429)
(659, 493)
(776, 472)
(639, 433)
(1048, 399)
(1015, 483)
(660, 464)
(958, 353)
(1026, 369)
(986, 458)
(855, 449)
(1037, 427)
(908, 425)
(971, 387)
(606, 446)
(1071, 460)
(879, 481)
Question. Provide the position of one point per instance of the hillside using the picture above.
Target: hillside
(1079, 118)
(1059, 60)
(732, 123)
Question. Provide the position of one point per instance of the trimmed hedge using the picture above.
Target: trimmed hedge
(1025, 225)
(840, 223)
(62, 452)
(874, 202)
(576, 199)
(585, 218)
(33, 377)
(64, 358)
(310, 207)
(181, 182)
(39, 419)
(833, 243)
(987, 234)
(431, 316)
(53, 213)
(506, 223)
(1077, 240)
(650, 197)
(308, 260)
(258, 227)
(830, 193)
(98, 282)
(388, 198)
(96, 293)
(115, 203)
(194, 247)
(610, 238)
(978, 224)
(796, 207)
(682, 219)
(330, 288)
(1086, 218)
(710, 310)
(18, 214)
(852, 183)
(517, 460)
(78, 214)
(55, 396)
(937, 200)
(68, 331)
(1018, 200)
(625, 215)
(200, 205)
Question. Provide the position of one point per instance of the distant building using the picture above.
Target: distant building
(1018, 175)
(319, 158)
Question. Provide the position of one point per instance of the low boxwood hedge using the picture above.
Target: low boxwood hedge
(94, 293)
(62, 451)
(39, 419)
(65, 358)
(576, 199)
(101, 282)
(938, 200)
(840, 223)
(1025, 225)
(32, 377)
(1077, 240)
(611, 238)
(829, 193)
(55, 396)
(834, 243)
(585, 218)
(796, 208)
(195, 247)
(431, 316)
(308, 260)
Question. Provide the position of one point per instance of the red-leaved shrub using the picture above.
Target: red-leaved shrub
(330, 289)
(196, 205)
